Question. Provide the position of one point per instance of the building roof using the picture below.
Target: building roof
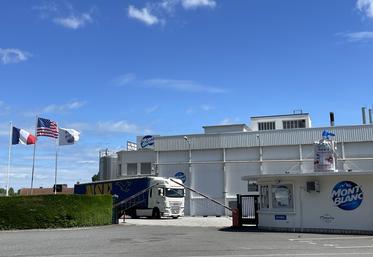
(280, 115)
(227, 125)
(355, 133)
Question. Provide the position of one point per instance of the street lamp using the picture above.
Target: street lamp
(260, 154)
(189, 171)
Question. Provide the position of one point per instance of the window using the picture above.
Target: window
(174, 192)
(131, 168)
(292, 124)
(282, 196)
(146, 168)
(271, 125)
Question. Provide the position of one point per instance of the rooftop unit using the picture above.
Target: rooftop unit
(217, 129)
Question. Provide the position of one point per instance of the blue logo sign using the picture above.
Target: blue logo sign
(347, 195)
(180, 175)
(280, 217)
(147, 141)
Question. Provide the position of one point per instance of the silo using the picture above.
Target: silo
(108, 165)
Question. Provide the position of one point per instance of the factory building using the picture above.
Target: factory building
(215, 161)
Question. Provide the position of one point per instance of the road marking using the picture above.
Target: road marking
(331, 238)
(354, 247)
(289, 255)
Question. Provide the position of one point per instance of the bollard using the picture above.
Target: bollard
(235, 218)
(115, 219)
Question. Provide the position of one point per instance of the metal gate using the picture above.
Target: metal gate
(248, 207)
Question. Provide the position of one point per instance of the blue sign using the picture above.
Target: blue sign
(347, 195)
(147, 141)
(180, 175)
(280, 217)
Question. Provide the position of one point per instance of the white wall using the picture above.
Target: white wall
(314, 210)
(208, 173)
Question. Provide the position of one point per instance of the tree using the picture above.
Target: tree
(10, 192)
(95, 177)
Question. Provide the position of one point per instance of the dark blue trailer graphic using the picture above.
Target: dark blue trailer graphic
(152, 196)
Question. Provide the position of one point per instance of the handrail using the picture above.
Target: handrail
(209, 198)
(135, 195)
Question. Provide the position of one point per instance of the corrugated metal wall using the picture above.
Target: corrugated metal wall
(264, 138)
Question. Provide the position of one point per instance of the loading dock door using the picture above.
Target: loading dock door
(248, 207)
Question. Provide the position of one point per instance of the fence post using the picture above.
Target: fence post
(239, 207)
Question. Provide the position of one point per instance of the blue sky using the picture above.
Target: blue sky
(117, 69)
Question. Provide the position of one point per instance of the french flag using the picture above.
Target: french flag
(21, 136)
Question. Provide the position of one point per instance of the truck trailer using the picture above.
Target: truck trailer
(141, 196)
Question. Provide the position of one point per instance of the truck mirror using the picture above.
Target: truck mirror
(160, 191)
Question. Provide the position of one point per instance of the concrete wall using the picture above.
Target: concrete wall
(138, 157)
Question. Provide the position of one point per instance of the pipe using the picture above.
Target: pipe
(370, 115)
(363, 115)
(331, 116)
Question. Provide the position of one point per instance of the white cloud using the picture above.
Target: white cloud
(365, 6)
(74, 22)
(64, 14)
(4, 108)
(189, 111)
(206, 107)
(54, 108)
(13, 55)
(4, 129)
(124, 79)
(167, 84)
(182, 85)
(227, 121)
(151, 109)
(193, 4)
(122, 126)
(144, 15)
(360, 36)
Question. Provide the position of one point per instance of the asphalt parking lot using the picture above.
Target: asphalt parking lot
(171, 238)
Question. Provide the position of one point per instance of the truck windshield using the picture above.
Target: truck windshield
(174, 192)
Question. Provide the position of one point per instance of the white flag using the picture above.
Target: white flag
(68, 136)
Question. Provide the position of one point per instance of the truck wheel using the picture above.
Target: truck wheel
(133, 214)
(156, 213)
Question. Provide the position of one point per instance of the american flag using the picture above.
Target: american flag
(47, 128)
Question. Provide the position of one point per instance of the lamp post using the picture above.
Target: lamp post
(260, 155)
(189, 171)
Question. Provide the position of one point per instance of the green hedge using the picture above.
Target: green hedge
(54, 211)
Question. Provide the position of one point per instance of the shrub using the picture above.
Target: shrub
(54, 211)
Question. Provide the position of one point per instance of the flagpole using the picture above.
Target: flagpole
(33, 157)
(55, 170)
(9, 156)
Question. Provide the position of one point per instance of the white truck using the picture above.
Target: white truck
(141, 196)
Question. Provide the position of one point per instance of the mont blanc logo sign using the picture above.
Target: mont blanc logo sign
(347, 195)
(180, 175)
(147, 141)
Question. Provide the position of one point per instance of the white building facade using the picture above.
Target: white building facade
(214, 162)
